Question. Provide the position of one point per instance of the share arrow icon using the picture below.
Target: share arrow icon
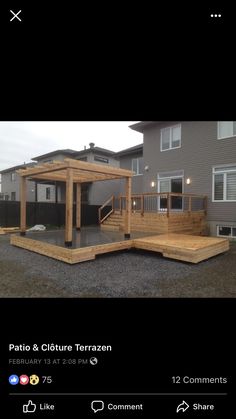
(182, 406)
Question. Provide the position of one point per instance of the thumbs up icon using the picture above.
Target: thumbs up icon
(30, 407)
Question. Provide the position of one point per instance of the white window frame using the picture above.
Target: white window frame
(13, 176)
(171, 129)
(218, 131)
(13, 192)
(223, 225)
(138, 166)
(224, 171)
(46, 190)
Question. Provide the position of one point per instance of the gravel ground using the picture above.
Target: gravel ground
(129, 273)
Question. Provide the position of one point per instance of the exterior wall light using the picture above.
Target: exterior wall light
(188, 181)
(146, 168)
(153, 184)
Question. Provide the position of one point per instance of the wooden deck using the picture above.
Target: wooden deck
(8, 230)
(178, 222)
(65, 254)
(182, 247)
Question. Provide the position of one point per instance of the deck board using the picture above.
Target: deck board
(181, 247)
(184, 247)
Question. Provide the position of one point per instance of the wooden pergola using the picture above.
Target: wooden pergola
(73, 171)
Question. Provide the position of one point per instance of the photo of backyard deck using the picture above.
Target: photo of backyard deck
(172, 224)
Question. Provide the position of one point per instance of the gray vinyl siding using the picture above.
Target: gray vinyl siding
(137, 181)
(59, 157)
(9, 186)
(99, 192)
(41, 193)
(200, 151)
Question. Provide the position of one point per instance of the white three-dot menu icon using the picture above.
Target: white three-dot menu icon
(216, 15)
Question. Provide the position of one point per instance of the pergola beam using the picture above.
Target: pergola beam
(46, 168)
(69, 208)
(22, 206)
(92, 167)
(78, 206)
(76, 177)
(128, 208)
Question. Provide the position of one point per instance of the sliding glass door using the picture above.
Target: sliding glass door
(174, 185)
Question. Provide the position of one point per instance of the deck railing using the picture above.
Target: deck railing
(106, 209)
(164, 203)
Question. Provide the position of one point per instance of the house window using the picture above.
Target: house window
(224, 183)
(226, 231)
(137, 166)
(13, 196)
(171, 137)
(101, 159)
(13, 177)
(226, 129)
(48, 193)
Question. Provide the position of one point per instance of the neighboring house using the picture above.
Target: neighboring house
(194, 157)
(92, 193)
(11, 184)
(48, 191)
(51, 191)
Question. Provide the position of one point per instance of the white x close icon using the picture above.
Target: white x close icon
(15, 15)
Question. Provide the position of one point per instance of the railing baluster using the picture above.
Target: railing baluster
(148, 202)
(142, 204)
(168, 204)
(189, 204)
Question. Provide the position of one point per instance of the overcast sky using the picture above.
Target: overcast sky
(21, 141)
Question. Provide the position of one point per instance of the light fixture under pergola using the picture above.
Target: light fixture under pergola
(73, 171)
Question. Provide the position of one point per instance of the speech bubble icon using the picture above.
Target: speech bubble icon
(97, 405)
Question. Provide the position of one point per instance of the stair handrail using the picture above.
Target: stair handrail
(112, 200)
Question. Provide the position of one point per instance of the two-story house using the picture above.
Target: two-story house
(39, 191)
(187, 157)
(195, 157)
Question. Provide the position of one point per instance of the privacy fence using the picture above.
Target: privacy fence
(44, 213)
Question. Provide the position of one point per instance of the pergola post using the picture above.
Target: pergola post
(128, 207)
(78, 206)
(22, 205)
(69, 207)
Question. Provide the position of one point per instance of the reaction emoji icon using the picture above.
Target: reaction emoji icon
(13, 379)
(34, 380)
(24, 379)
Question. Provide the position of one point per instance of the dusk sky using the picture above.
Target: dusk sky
(21, 141)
